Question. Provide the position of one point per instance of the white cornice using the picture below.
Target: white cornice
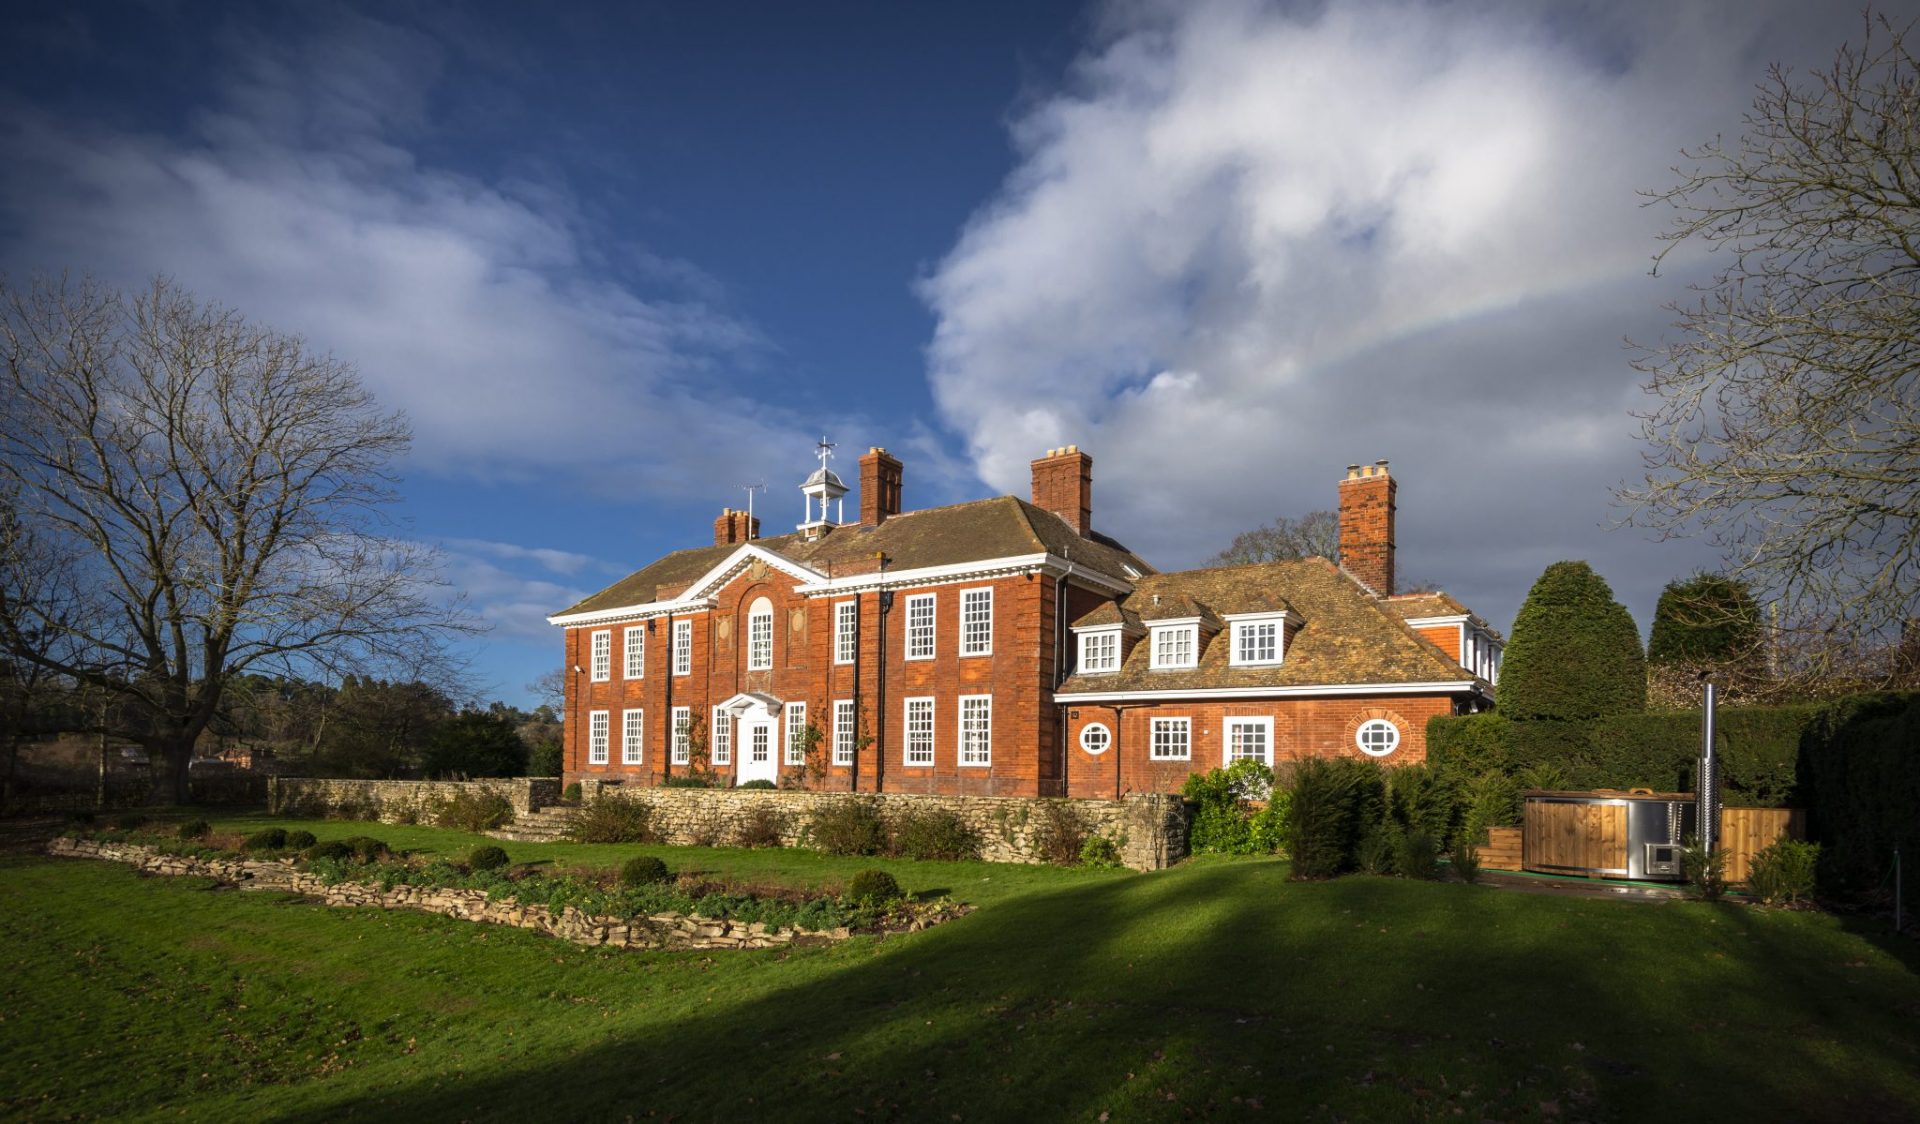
(1453, 687)
(1437, 622)
(739, 559)
(631, 613)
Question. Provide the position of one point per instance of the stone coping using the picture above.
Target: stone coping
(659, 931)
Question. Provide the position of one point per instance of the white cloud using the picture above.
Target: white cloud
(489, 311)
(1246, 245)
(564, 562)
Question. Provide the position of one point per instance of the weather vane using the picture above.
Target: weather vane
(823, 449)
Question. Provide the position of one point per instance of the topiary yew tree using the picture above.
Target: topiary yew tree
(1575, 652)
(1708, 618)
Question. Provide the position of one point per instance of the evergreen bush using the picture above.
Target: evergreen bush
(1331, 802)
(1379, 849)
(571, 793)
(644, 870)
(334, 849)
(874, 888)
(474, 811)
(366, 848)
(299, 840)
(1099, 852)
(1466, 857)
(272, 839)
(1859, 774)
(934, 834)
(1705, 870)
(1575, 652)
(757, 786)
(1705, 619)
(1416, 855)
(848, 827)
(1222, 819)
(130, 821)
(195, 829)
(487, 857)
(1783, 872)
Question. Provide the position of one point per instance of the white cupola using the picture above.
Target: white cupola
(825, 486)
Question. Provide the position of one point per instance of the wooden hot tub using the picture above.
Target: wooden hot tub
(1607, 834)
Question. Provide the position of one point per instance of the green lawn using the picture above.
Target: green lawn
(1217, 988)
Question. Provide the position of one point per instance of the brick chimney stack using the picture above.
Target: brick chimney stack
(735, 527)
(1063, 484)
(879, 487)
(1366, 526)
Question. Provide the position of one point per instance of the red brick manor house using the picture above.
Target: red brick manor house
(1006, 648)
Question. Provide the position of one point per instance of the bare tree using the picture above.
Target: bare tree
(205, 498)
(1316, 532)
(1786, 416)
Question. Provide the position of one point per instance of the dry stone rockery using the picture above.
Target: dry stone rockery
(671, 931)
(1150, 829)
(399, 801)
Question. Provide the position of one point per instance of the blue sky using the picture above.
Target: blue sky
(614, 260)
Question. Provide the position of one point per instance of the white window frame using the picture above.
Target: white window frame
(1168, 725)
(600, 664)
(913, 648)
(1360, 737)
(845, 730)
(633, 736)
(633, 652)
(760, 636)
(917, 732)
(682, 735)
(1227, 726)
(846, 631)
(1105, 738)
(975, 746)
(1109, 638)
(719, 738)
(683, 647)
(1165, 637)
(1244, 632)
(599, 723)
(796, 726)
(970, 645)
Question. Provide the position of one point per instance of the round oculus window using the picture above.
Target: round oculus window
(1377, 737)
(1095, 738)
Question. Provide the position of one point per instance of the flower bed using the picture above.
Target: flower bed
(683, 914)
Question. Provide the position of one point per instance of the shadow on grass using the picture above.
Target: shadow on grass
(1218, 988)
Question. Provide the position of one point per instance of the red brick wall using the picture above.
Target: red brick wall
(1302, 727)
(1063, 484)
(1445, 636)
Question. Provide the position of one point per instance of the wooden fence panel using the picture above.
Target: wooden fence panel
(1576, 837)
(1745, 832)
(1503, 849)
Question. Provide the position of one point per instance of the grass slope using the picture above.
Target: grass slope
(1208, 989)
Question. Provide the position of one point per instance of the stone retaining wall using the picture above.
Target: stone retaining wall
(1150, 829)
(655, 931)
(399, 801)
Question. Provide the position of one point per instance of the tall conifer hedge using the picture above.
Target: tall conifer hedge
(1575, 652)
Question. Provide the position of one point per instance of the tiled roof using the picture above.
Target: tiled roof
(1346, 636)
(1432, 603)
(1002, 527)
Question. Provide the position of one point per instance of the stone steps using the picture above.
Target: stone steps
(548, 825)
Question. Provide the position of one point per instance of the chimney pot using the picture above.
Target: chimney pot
(1063, 484)
(1367, 503)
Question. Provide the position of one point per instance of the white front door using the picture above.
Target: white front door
(757, 748)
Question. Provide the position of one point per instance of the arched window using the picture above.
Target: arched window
(760, 635)
(1377, 737)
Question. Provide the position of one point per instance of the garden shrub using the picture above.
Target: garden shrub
(934, 834)
(366, 848)
(272, 839)
(1783, 872)
(1221, 820)
(474, 811)
(1416, 855)
(1268, 829)
(761, 785)
(1707, 618)
(1575, 652)
(130, 821)
(1099, 852)
(1466, 856)
(335, 849)
(874, 888)
(1331, 802)
(195, 829)
(686, 780)
(763, 827)
(571, 793)
(299, 840)
(1379, 849)
(1059, 832)
(1705, 871)
(1491, 799)
(848, 827)
(644, 870)
(1859, 776)
(487, 857)
(1422, 800)
(611, 819)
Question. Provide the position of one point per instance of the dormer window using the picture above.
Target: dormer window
(1176, 646)
(1100, 651)
(1258, 639)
